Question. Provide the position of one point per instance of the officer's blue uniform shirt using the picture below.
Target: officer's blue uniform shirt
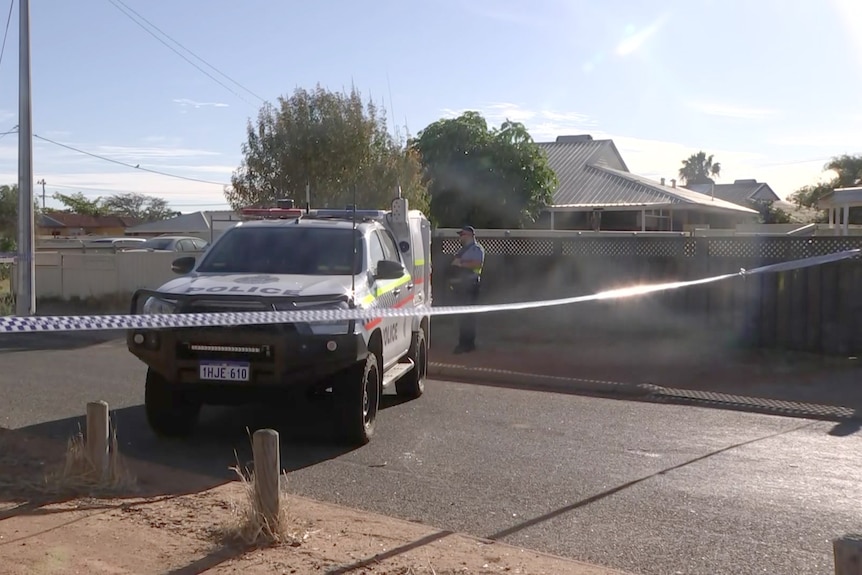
(473, 252)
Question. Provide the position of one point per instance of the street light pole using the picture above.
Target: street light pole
(25, 296)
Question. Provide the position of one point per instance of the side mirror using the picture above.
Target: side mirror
(183, 265)
(388, 270)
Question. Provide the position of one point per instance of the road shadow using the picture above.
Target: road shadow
(171, 467)
(523, 525)
(45, 341)
(699, 369)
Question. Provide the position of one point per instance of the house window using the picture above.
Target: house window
(657, 220)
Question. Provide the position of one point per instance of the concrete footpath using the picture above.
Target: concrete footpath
(663, 370)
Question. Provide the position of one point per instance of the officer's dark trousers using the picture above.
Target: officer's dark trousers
(467, 295)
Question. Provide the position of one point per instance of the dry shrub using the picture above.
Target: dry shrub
(80, 475)
(250, 525)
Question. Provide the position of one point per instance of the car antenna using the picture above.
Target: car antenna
(353, 258)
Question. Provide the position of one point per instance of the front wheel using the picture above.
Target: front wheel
(359, 401)
(170, 412)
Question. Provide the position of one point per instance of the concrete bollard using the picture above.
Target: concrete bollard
(98, 434)
(267, 470)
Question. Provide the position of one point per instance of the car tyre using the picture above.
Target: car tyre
(412, 385)
(170, 412)
(358, 399)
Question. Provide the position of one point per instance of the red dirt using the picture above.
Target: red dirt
(185, 534)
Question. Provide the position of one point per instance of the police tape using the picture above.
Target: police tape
(227, 319)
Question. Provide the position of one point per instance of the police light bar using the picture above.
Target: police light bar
(271, 213)
(331, 213)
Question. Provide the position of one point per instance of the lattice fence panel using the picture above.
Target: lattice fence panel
(771, 248)
(599, 247)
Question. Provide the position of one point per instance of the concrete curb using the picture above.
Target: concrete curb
(643, 392)
(539, 382)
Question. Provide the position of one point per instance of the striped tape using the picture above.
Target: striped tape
(163, 321)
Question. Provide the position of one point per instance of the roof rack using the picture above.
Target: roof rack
(348, 214)
(271, 213)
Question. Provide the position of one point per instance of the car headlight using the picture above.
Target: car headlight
(158, 305)
(336, 327)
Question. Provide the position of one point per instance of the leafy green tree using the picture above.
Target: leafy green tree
(847, 172)
(139, 206)
(331, 142)
(9, 216)
(8, 211)
(771, 214)
(130, 205)
(78, 203)
(487, 178)
(699, 169)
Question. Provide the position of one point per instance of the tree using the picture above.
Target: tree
(847, 173)
(8, 210)
(139, 206)
(331, 142)
(130, 205)
(497, 178)
(699, 169)
(77, 203)
(771, 214)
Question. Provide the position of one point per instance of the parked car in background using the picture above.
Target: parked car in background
(172, 244)
(119, 243)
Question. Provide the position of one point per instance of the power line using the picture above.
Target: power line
(6, 33)
(175, 51)
(135, 167)
(6, 133)
(169, 37)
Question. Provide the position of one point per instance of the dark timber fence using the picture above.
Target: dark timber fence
(817, 309)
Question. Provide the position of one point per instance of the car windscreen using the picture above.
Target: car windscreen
(285, 250)
(157, 244)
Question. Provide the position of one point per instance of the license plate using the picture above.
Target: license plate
(225, 371)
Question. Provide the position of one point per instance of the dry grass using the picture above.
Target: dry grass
(250, 525)
(80, 475)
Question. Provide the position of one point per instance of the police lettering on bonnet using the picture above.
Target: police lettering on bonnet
(290, 259)
(465, 283)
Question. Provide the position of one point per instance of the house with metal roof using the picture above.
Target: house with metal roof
(741, 192)
(206, 225)
(596, 191)
(66, 224)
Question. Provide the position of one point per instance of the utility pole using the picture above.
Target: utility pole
(25, 296)
(42, 183)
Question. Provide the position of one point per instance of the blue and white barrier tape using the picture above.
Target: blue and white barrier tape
(162, 321)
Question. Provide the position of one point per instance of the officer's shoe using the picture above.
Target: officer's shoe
(460, 348)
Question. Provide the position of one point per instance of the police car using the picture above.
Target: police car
(292, 259)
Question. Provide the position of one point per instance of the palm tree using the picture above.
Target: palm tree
(699, 169)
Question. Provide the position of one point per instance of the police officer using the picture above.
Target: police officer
(468, 264)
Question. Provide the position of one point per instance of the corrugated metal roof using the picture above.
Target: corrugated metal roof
(187, 223)
(568, 160)
(673, 195)
(591, 173)
(739, 192)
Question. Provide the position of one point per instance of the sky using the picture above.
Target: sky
(771, 87)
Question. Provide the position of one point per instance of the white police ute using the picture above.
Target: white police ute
(292, 259)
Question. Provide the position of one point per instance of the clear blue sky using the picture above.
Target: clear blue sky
(771, 87)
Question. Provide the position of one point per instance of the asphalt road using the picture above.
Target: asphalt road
(653, 489)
